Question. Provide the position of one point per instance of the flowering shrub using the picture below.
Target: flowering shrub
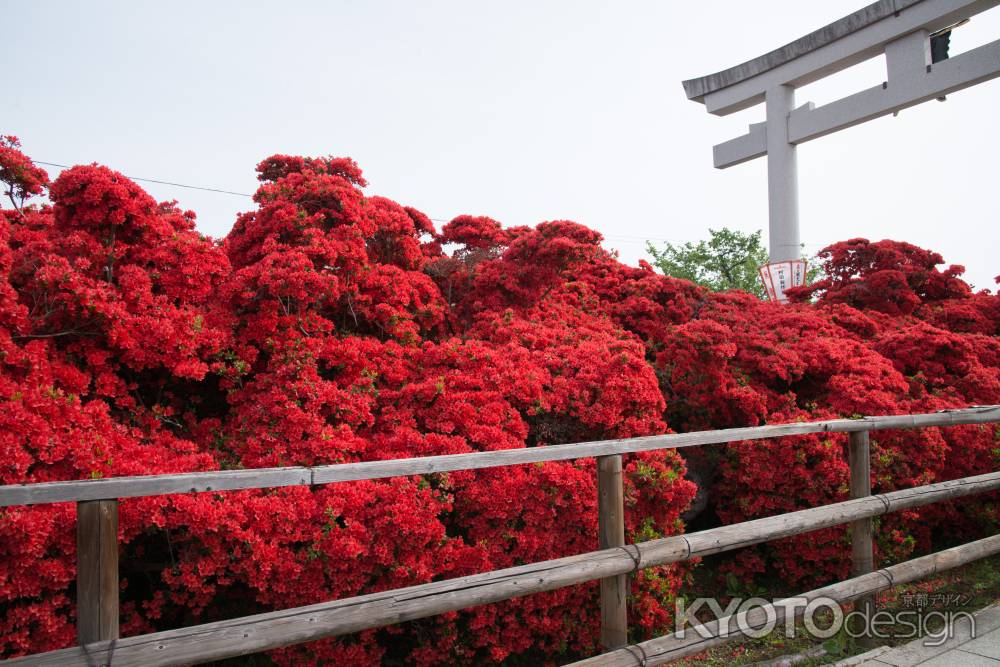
(331, 326)
(22, 178)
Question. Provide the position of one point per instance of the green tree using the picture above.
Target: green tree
(728, 260)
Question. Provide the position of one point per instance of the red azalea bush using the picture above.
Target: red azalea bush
(330, 326)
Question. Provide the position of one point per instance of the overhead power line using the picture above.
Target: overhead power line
(610, 237)
(153, 180)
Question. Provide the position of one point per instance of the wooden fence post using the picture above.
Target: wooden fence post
(96, 570)
(862, 551)
(611, 528)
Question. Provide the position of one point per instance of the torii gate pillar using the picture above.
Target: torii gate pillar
(900, 29)
(782, 177)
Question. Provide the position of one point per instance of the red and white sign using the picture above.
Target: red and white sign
(779, 276)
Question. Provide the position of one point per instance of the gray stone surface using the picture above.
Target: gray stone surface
(985, 645)
(960, 658)
(698, 88)
(959, 651)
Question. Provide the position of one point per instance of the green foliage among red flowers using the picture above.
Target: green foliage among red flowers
(333, 326)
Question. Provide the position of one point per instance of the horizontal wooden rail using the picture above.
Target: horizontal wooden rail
(223, 639)
(231, 480)
(671, 647)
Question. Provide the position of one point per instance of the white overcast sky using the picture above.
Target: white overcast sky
(524, 111)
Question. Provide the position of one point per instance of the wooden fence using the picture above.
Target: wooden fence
(97, 557)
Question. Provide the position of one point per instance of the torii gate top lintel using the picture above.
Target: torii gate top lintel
(697, 89)
(901, 29)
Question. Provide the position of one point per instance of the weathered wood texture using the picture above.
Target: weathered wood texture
(859, 456)
(611, 532)
(152, 485)
(714, 633)
(97, 570)
(862, 548)
(228, 480)
(250, 634)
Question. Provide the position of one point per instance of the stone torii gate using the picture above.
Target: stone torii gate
(901, 29)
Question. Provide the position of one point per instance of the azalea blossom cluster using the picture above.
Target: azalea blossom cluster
(334, 326)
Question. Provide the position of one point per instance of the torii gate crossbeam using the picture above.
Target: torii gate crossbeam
(901, 29)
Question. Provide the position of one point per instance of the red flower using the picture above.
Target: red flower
(330, 326)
